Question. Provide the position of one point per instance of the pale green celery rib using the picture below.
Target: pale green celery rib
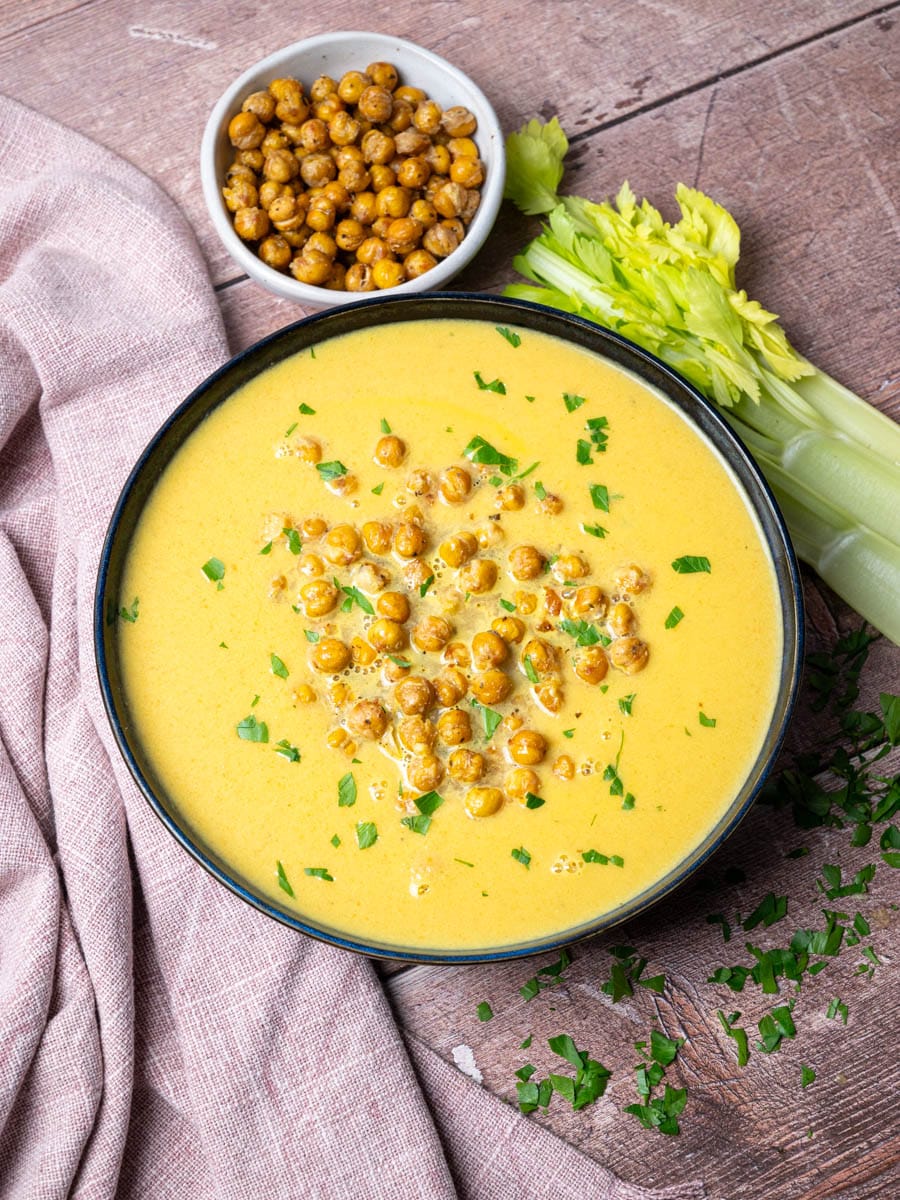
(862, 567)
(848, 413)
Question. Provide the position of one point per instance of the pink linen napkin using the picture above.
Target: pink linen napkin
(158, 1037)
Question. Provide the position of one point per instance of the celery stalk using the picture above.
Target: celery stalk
(832, 460)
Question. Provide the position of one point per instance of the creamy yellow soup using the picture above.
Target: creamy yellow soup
(583, 680)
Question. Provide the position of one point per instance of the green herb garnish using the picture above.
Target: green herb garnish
(489, 716)
(287, 751)
(293, 540)
(319, 873)
(385, 428)
(625, 704)
(423, 588)
(674, 617)
(484, 1011)
(583, 453)
(251, 730)
(495, 385)
(533, 801)
(331, 470)
(513, 338)
(691, 564)
(130, 614)
(378, 488)
(522, 856)
(599, 496)
(307, 411)
(283, 881)
(708, 722)
(596, 531)
(572, 402)
(546, 977)
(267, 548)
(346, 791)
(277, 667)
(311, 635)
(366, 834)
(507, 605)
(214, 570)
(482, 453)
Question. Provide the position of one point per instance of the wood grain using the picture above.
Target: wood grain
(788, 115)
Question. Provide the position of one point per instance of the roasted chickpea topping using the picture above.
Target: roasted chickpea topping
(318, 597)
(432, 633)
(525, 562)
(589, 602)
(569, 566)
(372, 578)
(549, 696)
(590, 664)
(465, 766)
(420, 483)
(478, 576)
(425, 773)
(330, 655)
(527, 747)
(342, 545)
(491, 687)
(511, 498)
(414, 695)
(621, 620)
(454, 727)
(416, 573)
(454, 485)
(304, 694)
(541, 656)
(457, 550)
(564, 767)
(483, 801)
(313, 527)
(368, 718)
(489, 650)
(520, 782)
(416, 734)
(387, 636)
(361, 653)
(310, 564)
(390, 451)
(450, 686)
(551, 504)
(377, 537)
(395, 670)
(630, 579)
(628, 654)
(394, 606)
(409, 540)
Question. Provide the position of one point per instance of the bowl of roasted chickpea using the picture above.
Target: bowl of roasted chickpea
(349, 164)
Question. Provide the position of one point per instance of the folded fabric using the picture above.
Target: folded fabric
(158, 1037)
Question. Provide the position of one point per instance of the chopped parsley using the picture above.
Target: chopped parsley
(594, 856)
(307, 411)
(283, 881)
(584, 1088)
(583, 453)
(385, 428)
(599, 496)
(331, 470)
(625, 704)
(352, 595)
(366, 834)
(287, 751)
(568, 733)
(708, 722)
(597, 427)
(378, 488)
(837, 1008)
(674, 617)
(807, 1076)
(418, 824)
(311, 635)
(482, 453)
(738, 1036)
(423, 588)
(496, 385)
(691, 564)
(583, 632)
(400, 662)
(267, 548)
(293, 540)
(290, 429)
(277, 667)
(530, 671)
(489, 716)
(251, 730)
(540, 491)
(319, 873)
(513, 338)
(507, 605)
(546, 977)
(335, 841)
(346, 791)
(484, 1011)
(626, 970)
(533, 801)
(572, 402)
(130, 614)
(214, 570)
(427, 806)
(596, 531)
(661, 1111)
(522, 856)
(770, 910)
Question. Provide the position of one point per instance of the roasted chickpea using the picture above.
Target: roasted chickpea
(590, 664)
(458, 654)
(275, 252)
(383, 74)
(458, 121)
(409, 540)
(349, 234)
(317, 169)
(286, 213)
(520, 781)
(310, 564)
(314, 136)
(551, 504)
(342, 545)
(390, 451)
(361, 653)
(303, 694)
(491, 687)
(281, 165)
(418, 263)
(335, 281)
(541, 655)
(527, 747)
(383, 177)
(564, 767)
(432, 633)
(367, 718)
(511, 629)
(628, 654)
(290, 105)
(395, 670)
(261, 104)
(511, 498)
(425, 773)
(387, 636)
(416, 734)
(386, 273)
(449, 199)
(478, 576)
(621, 619)
(465, 766)
(462, 147)
(489, 650)
(468, 173)
(251, 224)
(483, 801)
(241, 194)
(313, 527)
(375, 104)
(525, 562)
(359, 278)
(343, 129)
(355, 178)
(454, 727)
(549, 696)
(457, 550)
(372, 578)
(377, 537)
(490, 535)
(450, 686)
(372, 250)
(323, 242)
(394, 606)
(413, 172)
(403, 235)
(329, 654)
(313, 267)
(416, 573)
(352, 86)
(630, 579)
(439, 241)
(318, 597)
(323, 86)
(270, 191)
(589, 601)
(414, 695)
(454, 485)
(552, 602)
(439, 160)
(246, 131)
(569, 566)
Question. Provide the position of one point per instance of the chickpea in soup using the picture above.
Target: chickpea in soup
(449, 636)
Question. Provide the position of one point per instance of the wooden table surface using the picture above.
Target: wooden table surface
(787, 114)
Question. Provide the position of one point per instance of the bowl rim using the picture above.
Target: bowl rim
(297, 336)
(286, 286)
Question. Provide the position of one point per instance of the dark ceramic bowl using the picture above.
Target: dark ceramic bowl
(496, 311)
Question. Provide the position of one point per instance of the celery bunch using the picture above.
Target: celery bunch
(832, 460)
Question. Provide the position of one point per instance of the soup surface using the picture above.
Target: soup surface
(448, 636)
